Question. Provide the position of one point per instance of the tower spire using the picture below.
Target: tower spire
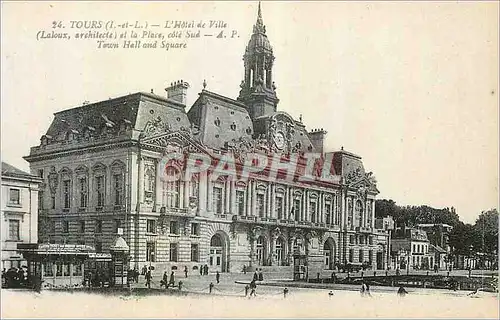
(259, 25)
(258, 88)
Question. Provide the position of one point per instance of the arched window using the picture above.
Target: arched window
(358, 219)
(171, 188)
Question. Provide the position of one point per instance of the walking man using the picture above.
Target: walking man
(148, 279)
(172, 280)
(164, 281)
(217, 277)
(210, 287)
(201, 270)
(186, 271)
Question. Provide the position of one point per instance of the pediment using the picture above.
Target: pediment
(365, 184)
(173, 141)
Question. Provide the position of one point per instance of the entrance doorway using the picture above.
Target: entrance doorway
(329, 254)
(261, 251)
(280, 251)
(217, 257)
(380, 260)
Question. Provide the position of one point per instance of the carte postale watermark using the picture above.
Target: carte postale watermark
(274, 167)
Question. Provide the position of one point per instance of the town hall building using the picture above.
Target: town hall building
(100, 167)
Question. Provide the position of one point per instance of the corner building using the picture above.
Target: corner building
(100, 166)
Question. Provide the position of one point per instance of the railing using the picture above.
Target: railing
(364, 229)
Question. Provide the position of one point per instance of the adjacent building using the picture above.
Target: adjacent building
(439, 235)
(101, 167)
(410, 249)
(20, 196)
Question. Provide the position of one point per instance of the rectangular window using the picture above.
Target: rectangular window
(174, 227)
(370, 256)
(361, 240)
(195, 229)
(100, 188)
(194, 252)
(48, 269)
(66, 270)
(151, 227)
(98, 246)
(370, 238)
(173, 252)
(40, 173)
(53, 202)
(118, 183)
(65, 226)
(77, 269)
(40, 200)
(67, 194)
(240, 202)
(260, 205)
(217, 199)
(328, 213)
(14, 230)
(150, 252)
(296, 209)
(351, 255)
(83, 192)
(80, 242)
(361, 255)
(82, 226)
(195, 186)
(279, 207)
(14, 196)
(59, 268)
(351, 239)
(312, 210)
(414, 248)
(98, 226)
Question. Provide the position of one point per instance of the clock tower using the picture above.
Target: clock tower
(258, 89)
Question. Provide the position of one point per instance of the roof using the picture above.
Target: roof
(11, 171)
(436, 248)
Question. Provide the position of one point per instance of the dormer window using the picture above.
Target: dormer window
(217, 122)
(249, 130)
(233, 126)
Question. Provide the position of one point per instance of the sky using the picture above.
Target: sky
(411, 87)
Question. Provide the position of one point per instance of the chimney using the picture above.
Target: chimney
(317, 137)
(178, 91)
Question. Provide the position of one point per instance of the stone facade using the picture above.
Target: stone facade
(19, 213)
(102, 164)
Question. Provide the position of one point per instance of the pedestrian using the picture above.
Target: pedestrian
(402, 292)
(136, 275)
(144, 270)
(285, 292)
(255, 275)
(206, 270)
(244, 269)
(172, 279)
(148, 279)
(210, 287)
(246, 290)
(186, 271)
(330, 294)
(201, 270)
(470, 271)
(180, 285)
(164, 280)
(261, 276)
(217, 277)
(367, 292)
(253, 286)
(363, 289)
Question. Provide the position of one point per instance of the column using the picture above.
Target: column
(159, 185)
(269, 214)
(273, 201)
(248, 196)
(233, 210)
(140, 178)
(373, 215)
(227, 196)
(202, 193)
(209, 194)
(181, 194)
(254, 197)
(186, 185)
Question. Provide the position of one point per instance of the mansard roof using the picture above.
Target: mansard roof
(219, 119)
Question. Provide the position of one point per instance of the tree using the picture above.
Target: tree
(486, 227)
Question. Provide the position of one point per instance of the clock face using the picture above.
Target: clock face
(279, 140)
